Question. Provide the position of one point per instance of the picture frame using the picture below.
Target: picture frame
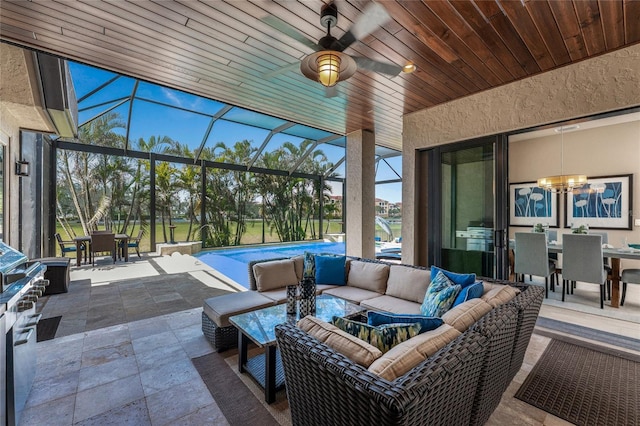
(604, 202)
(529, 205)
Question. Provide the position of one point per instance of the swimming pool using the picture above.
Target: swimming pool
(233, 262)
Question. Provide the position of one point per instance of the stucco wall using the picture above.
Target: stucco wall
(605, 83)
(10, 135)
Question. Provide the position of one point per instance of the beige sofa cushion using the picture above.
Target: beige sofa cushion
(408, 283)
(408, 354)
(275, 274)
(369, 276)
(220, 308)
(352, 294)
(279, 295)
(391, 304)
(357, 350)
(298, 265)
(466, 314)
(500, 295)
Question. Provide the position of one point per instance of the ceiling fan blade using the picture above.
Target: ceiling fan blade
(284, 28)
(330, 92)
(380, 67)
(373, 16)
(281, 70)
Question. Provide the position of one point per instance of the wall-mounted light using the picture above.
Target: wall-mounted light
(22, 168)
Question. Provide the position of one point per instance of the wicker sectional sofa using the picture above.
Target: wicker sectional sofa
(460, 383)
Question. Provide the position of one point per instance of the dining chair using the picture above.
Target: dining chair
(66, 246)
(532, 258)
(552, 235)
(582, 261)
(605, 261)
(135, 243)
(629, 276)
(101, 243)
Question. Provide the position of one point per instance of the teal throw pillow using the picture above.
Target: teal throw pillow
(473, 291)
(441, 294)
(381, 318)
(462, 279)
(330, 270)
(383, 337)
(309, 270)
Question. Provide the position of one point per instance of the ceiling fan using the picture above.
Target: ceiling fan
(328, 64)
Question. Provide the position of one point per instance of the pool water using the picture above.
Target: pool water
(233, 262)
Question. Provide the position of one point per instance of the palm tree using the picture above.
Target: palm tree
(86, 180)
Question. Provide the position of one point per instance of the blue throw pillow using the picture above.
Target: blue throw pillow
(472, 291)
(440, 296)
(462, 279)
(381, 318)
(330, 270)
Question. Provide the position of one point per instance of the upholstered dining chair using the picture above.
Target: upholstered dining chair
(605, 261)
(629, 276)
(101, 243)
(532, 258)
(582, 261)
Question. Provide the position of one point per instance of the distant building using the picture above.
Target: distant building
(336, 200)
(383, 207)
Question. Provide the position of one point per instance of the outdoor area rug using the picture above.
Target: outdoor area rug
(47, 327)
(584, 386)
(240, 399)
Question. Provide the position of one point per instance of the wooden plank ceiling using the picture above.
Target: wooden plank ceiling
(222, 49)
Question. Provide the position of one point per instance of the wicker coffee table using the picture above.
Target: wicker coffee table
(259, 327)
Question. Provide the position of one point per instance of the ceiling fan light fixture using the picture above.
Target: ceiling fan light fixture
(328, 68)
(320, 66)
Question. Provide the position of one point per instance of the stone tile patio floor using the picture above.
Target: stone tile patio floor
(139, 372)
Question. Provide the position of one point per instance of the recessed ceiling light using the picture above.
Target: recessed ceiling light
(409, 67)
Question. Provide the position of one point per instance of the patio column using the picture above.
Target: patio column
(361, 193)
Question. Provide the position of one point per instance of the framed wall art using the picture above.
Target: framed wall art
(529, 205)
(604, 202)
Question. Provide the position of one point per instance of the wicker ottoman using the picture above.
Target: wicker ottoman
(217, 310)
(57, 273)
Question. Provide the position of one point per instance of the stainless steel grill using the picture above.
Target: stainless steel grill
(22, 283)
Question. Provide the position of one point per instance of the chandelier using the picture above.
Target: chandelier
(562, 184)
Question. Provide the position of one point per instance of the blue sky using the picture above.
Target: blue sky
(188, 128)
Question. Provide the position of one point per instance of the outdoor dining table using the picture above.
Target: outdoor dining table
(86, 241)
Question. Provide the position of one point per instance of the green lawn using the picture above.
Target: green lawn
(253, 235)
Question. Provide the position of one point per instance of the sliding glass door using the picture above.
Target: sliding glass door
(467, 213)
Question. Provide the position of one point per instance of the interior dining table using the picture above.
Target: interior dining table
(85, 241)
(615, 254)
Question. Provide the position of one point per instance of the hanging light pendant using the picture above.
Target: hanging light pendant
(562, 184)
(328, 68)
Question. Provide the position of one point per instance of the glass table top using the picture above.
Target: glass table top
(259, 325)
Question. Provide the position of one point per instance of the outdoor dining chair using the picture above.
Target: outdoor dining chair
(532, 258)
(134, 243)
(582, 261)
(101, 243)
(66, 246)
